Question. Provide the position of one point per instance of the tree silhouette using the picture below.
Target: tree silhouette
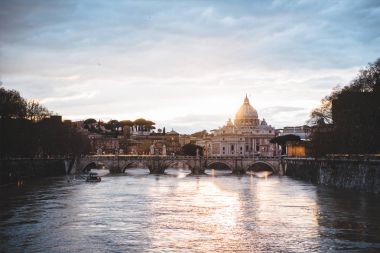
(190, 149)
(35, 111)
(352, 114)
(366, 81)
(12, 105)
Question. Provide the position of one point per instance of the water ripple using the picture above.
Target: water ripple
(180, 213)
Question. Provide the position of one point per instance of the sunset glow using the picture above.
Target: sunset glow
(185, 65)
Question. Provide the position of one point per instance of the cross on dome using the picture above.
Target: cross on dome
(246, 100)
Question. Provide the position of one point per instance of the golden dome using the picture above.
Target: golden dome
(246, 111)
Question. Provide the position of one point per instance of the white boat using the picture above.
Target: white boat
(93, 177)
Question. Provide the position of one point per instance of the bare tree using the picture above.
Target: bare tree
(35, 111)
(366, 81)
(323, 113)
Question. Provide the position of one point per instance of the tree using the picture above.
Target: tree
(89, 121)
(323, 114)
(35, 111)
(190, 149)
(143, 124)
(366, 81)
(126, 123)
(24, 132)
(353, 113)
(12, 105)
(140, 122)
(113, 125)
(283, 139)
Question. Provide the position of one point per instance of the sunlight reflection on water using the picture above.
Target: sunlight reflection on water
(176, 212)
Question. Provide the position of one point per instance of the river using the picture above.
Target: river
(218, 212)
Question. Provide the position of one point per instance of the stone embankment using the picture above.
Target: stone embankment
(362, 174)
(13, 170)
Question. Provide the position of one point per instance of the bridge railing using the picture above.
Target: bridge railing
(178, 157)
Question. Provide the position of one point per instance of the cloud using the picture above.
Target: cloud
(281, 109)
(164, 60)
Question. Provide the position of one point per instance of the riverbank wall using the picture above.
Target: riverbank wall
(354, 174)
(14, 170)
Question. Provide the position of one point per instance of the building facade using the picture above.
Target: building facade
(246, 136)
(302, 131)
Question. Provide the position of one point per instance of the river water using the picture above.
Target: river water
(136, 212)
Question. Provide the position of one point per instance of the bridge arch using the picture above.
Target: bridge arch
(88, 167)
(134, 164)
(260, 166)
(182, 164)
(217, 165)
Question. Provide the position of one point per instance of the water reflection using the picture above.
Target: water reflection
(218, 172)
(261, 174)
(182, 213)
(134, 171)
(179, 173)
(349, 216)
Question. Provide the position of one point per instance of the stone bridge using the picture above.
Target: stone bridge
(197, 165)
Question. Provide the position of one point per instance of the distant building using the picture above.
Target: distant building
(106, 145)
(140, 144)
(302, 131)
(55, 119)
(246, 136)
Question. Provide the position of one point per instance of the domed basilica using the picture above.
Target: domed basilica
(246, 136)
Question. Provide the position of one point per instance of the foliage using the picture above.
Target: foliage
(190, 149)
(281, 140)
(126, 123)
(145, 124)
(353, 117)
(366, 81)
(25, 138)
(12, 105)
(89, 121)
(323, 114)
(113, 125)
(26, 131)
(35, 111)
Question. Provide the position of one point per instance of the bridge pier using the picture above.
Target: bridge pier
(238, 168)
(198, 167)
(155, 166)
(238, 171)
(197, 171)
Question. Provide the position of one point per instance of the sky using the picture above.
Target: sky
(188, 64)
